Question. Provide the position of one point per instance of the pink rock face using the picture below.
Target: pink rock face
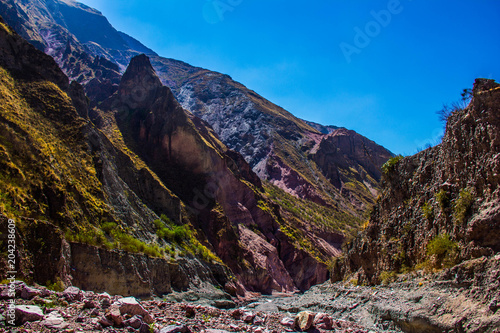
(265, 256)
(323, 321)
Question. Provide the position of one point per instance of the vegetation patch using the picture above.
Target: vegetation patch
(442, 251)
(463, 205)
(390, 165)
(387, 277)
(427, 211)
(443, 199)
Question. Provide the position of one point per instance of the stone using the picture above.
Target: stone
(304, 320)
(224, 304)
(323, 321)
(211, 330)
(89, 304)
(144, 328)
(55, 320)
(73, 294)
(494, 305)
(134, 322)
(288, 322)
(148, 319)
(236, 314)
(174, 329)
(105, 322)
(129, 305)
(46, 292)
(259, 321)
(190, 311)
(248, 316)
(113, 314)
(28, 292)
(26, 313)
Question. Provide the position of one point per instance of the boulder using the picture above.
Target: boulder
(129, 305)
(248, 317)
(73, 294)
(105, 322)
(28, 292)
(224, 304)
(288, 322)
(26, 313)
(323, 321)
(258, 320)
(174, 329)
(304, 320)
(55, 321)
(114, 314)
(134, 322)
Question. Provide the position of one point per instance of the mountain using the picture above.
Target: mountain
(136, 181)
(190, 152)
(277, 145)
(439, 207)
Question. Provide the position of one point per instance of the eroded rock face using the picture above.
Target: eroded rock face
(174, 144)
(451, 189)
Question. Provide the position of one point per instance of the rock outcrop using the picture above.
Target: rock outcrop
(440, 206)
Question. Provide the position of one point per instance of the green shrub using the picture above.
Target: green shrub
(427, 211)
(57, 286)
(390, 165)
(443, 199)
(387, 277)
(443, 250)
(463, 205)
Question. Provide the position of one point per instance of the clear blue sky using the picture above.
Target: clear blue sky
(293, 53)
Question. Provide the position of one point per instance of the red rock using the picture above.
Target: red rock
(323, 321)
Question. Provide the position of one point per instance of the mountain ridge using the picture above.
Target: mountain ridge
(243, 120)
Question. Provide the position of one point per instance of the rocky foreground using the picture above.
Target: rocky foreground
(73, 310)
(465, 298)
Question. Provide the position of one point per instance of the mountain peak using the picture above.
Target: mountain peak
(140, 83)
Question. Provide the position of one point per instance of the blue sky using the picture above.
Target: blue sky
(381, 68)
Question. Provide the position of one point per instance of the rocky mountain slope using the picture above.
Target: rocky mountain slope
(140, 174)
(440, 206)
(69, 189)
(279, 147)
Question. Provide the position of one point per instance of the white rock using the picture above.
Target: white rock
(26, 313)
(54, 320)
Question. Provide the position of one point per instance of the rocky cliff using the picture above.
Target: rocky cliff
(440, 206)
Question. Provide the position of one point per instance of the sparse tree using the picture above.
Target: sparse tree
(448, 109)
